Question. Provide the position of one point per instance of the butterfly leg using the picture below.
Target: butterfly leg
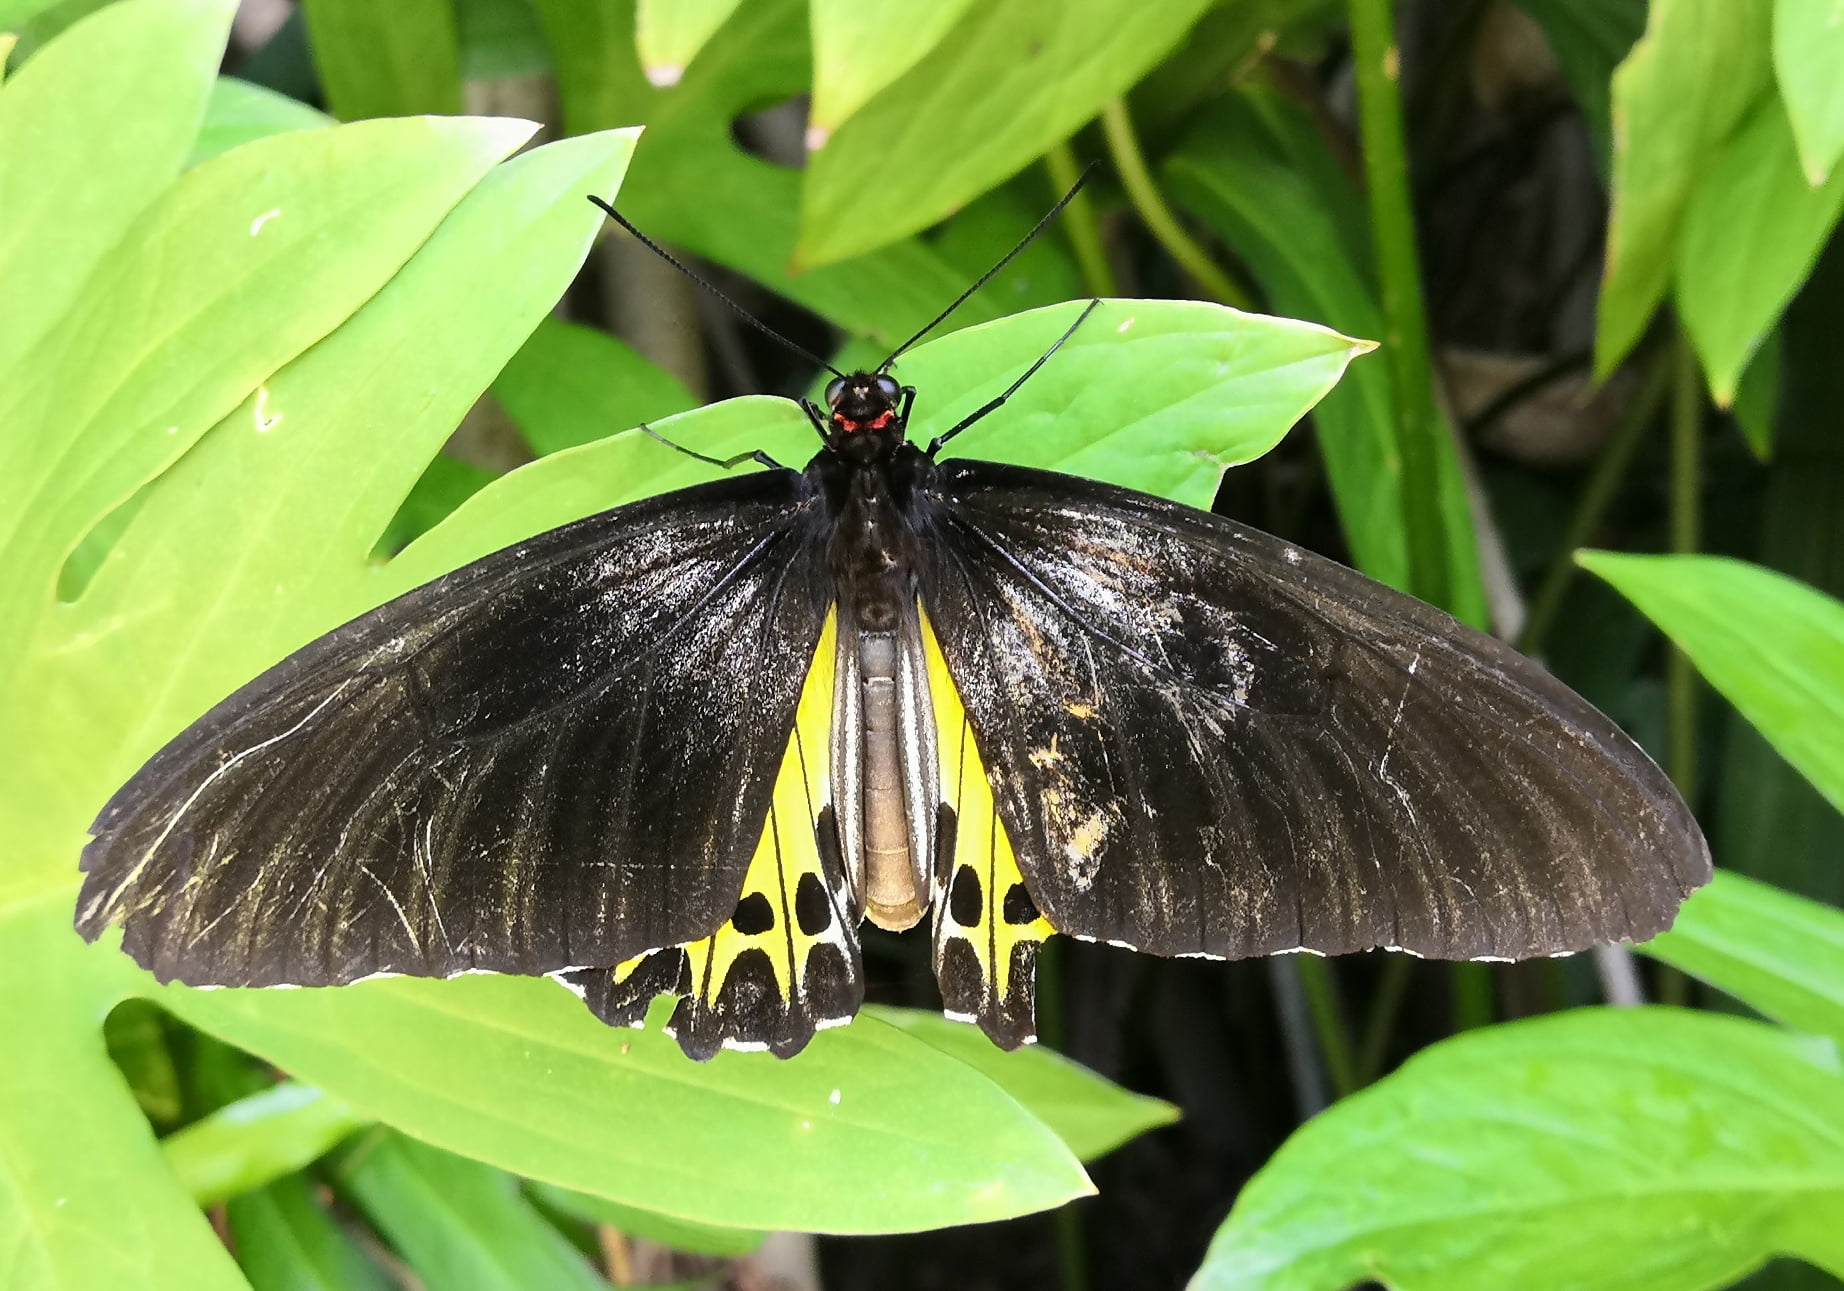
(998, 401)
(724, 463)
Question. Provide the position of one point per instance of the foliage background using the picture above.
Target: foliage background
(1596, 239)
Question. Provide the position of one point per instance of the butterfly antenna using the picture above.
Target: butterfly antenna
(1006, 259)
(741, 313)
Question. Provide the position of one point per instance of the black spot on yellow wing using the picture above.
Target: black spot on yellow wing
(786, 962)
(987, 927)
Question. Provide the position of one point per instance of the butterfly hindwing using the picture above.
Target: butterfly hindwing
(557, 757)
(986, 925)
(785, 963)
(1204, 741)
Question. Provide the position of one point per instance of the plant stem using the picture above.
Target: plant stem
(1472, 996)
(1686, 466)
(1328, 1023)
(1079, 224)
(1392, 225)
(1124, 148)
(1596, 496)
(1381, 1023)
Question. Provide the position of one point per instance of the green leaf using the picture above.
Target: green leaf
(1689, 82)
(1731, 287)
(1779, 953)
(256, 1140)
(250, 259)
(64, 125)
(699, 1239)
(571, 384)
(239, 113)
(862, 46)
(286, 1241)
(1089, 1113)
(95, 1204)
(1186, 389)
(1013, 78)
(445, 485)
(459, 1225)
(88, 1200)
(692, 175)
(1809, 65)
(1757, 397)
(386, 60)
(500, 40)
(1259, 173)
(1773, 646)
(1597, 1150)
(669, 33)
(867, 1131)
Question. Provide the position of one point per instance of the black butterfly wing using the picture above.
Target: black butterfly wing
(1205, 741)
(559, 756)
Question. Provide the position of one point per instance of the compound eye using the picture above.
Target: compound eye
(888, 388)
(834, 388)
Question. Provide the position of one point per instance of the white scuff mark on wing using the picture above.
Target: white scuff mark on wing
(256, 225)
(1395, 724)
(265, 422)
(1291, 555)
(403, 918)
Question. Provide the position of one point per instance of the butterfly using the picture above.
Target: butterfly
(687, 746)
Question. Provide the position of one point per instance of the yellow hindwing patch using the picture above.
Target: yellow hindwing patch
(786, 961)
(987, 925)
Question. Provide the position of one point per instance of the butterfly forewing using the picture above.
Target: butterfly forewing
(558, 757)
(1205, 741)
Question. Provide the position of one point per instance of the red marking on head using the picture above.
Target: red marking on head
(882, 419)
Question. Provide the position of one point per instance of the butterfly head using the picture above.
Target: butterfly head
(866, 413)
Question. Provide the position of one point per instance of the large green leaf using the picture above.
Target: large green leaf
(690, 177)
(1773, 646)
(669, 33)
(386, 60)
(571, 384)
(286, 1241)
(239, 113)
(256, 1140)
(1088, 1113)
(869, 1130)
(63, 126)
(1809, 65)
(1689, 82)
(86, 1199)
(459, 1225)
(1597, 1150)
(1780, 953)
(1010, 80)
(1731, 285)
(861, 46)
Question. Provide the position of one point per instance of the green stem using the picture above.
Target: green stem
(1384, 1010)
(1597, 496)
(1124, 148)
(1392, 224)
(1472, 996)
(1328, 1022)
(1079, 224)
(1686, 466)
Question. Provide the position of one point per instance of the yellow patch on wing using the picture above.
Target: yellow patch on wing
(786, 961)
(987, 926)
